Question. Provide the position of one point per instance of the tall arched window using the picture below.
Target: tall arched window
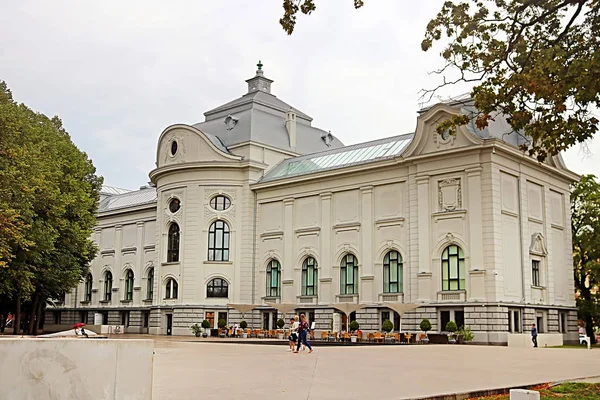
(349, 275)
(453, 268)
(273, 278)
(217, 287)
(173, 243)
(129, 285)
(171, 289)
(218, 241)
(108, 286)
(309, 277)
(88, 287)
(392, 272)
(150, 285)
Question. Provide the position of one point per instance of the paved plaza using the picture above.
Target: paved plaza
(189, 370)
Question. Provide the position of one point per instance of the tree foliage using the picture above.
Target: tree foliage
(585, 225)
(48, 200)
(291, 8)
(536, 61)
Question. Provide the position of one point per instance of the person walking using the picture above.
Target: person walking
(534, 334)
(293, 338)
(303, 332)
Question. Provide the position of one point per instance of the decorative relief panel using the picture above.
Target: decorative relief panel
(210, 213)
(179, 155)
(449, 194)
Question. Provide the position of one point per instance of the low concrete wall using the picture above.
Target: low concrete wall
(51, 328)
(543, 339)
(103, 369)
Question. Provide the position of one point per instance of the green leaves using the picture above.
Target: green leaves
(291, 8)
(538, 62)
(48, 200)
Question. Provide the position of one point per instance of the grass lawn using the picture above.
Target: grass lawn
(575, 391)
(575, 346)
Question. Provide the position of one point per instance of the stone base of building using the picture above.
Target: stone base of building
(490, 323)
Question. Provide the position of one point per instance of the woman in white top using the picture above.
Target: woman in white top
(293, 338)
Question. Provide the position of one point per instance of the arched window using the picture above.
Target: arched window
(218, 241)
(150, 285)
(349, 275)
(453, 268)
(273, 278)
(88, 287)
(173, 243)
(171, 289)
(129, 285)
(392, 272)
(108, 286)
(217, 287)
(309, 277)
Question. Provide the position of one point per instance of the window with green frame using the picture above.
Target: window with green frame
(392, 272)
(453, 268)
(349, 275)
(273, 278)
(309, 277)
(129, 285)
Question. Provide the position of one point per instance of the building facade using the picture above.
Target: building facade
(255, 205)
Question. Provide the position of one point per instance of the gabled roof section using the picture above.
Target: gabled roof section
(126, 200)
(361, 153)
(112, 190)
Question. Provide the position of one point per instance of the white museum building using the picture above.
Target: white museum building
(255, 205)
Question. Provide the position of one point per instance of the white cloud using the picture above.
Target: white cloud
(118, 73)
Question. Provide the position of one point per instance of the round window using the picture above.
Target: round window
(220, 202)
(174, 205)
(173, 147)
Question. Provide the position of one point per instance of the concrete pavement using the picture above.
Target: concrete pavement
(188, 370)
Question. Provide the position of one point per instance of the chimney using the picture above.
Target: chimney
(290, 126)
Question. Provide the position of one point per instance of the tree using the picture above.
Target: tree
(535, 61)
(585, 225)
(49, 194)
(291, 8)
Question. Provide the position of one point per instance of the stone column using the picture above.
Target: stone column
(424, 238)
(366, 275)
(287, 281)
(325, 265)
(118, 267)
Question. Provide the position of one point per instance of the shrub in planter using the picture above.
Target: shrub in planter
(280, 323)
(196, 329)
(354, 326)
(387, 326)
(466, 334)
(425, 325)
(222, 323)
(205, 324)
(243, 324)
(451, 327)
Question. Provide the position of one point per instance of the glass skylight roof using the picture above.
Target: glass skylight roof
(337, 158)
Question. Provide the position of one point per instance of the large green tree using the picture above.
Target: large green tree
(48, 196)
(535, 61)
(585, 225)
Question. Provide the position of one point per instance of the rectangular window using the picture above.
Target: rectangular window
(459, 318)
(57, 317)
(223, 315)
(83, 317)
(514, 321)
(125, 318)
(105, 318)
(563, 322)
(384, 316)
(146, 317)
(535, 273)
(444, 319)
(210, 317)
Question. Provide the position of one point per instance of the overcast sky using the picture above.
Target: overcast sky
(119, 72)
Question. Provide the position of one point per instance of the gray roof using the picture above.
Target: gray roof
(260, 117)
(126, 200)
(112, 190)
(361, 153)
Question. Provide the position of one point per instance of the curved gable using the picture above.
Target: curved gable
(427, 140)
(191, 144)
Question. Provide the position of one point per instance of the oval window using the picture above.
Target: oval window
(174, 205)
(173, 147)
(220, 203)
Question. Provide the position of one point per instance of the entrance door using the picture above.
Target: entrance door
(169, 324)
